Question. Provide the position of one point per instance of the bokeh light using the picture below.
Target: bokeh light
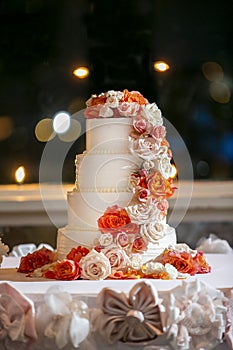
(202, 168)
(161, 66)
(212, 71)
(81, 72)
(73, 133)
(6, 127)
(61, 122)
(44, 130)
(220, 92)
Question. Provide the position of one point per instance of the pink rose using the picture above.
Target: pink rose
(122, 239)
(139, 245)
(140, 124)
(143, 195)
(128, 109)
(158, 132)
(92, 111)
(117, 257)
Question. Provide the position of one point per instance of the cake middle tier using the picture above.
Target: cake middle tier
(105, 172)
(85, 208)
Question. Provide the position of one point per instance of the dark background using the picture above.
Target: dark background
(42, 41)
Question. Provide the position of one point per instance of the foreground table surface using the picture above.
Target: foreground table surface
(87, 291)
(220, 277)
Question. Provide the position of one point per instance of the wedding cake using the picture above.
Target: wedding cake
(123, 180)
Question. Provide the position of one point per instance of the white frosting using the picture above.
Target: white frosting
(84, 208)
(98, 172)
(108, 135)
(68, 238)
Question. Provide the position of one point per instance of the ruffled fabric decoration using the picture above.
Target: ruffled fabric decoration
(214, 245)
(196, 316)
(135, 318)
(17, 319)
(62, 320)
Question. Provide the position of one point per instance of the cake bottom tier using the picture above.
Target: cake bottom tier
(70, 238)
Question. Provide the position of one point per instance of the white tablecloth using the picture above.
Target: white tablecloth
(35, 289)
(220, 277)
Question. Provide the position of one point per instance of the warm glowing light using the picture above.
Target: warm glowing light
(161, 66)
(61, 122)
(44, 130)
(6, 127)
(20, 174)
(174, 171)
(81, 72)
(220, 92)
(73, 133)
(212, 71)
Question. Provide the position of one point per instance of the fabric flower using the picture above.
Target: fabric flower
(95, 266)
(37, 259)
(135, 318)
(62, 320)
(196, 316)
(16, 318)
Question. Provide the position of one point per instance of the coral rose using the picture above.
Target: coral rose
(34, 260)
(159, 187)
(65, 270)
(201, 263)
(113, 219)
(182, 261)
(134, 96)
(77, 253)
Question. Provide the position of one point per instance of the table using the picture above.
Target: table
(35, 289)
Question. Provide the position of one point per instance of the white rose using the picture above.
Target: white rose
(105, 239)
(144, 147)
(153, 231)
(105, 111)
(143, 213)
(165, 167)
(95, 266)
(152, 114)
(112, 101)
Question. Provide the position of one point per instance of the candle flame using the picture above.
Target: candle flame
(20, 174)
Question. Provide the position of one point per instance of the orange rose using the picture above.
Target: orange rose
(114, 219)
(159, 187)
(35, 260)
(65, 269)
(98, 100)
(182, 261)
(77, 253)
(201, 263)
(134, 96)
